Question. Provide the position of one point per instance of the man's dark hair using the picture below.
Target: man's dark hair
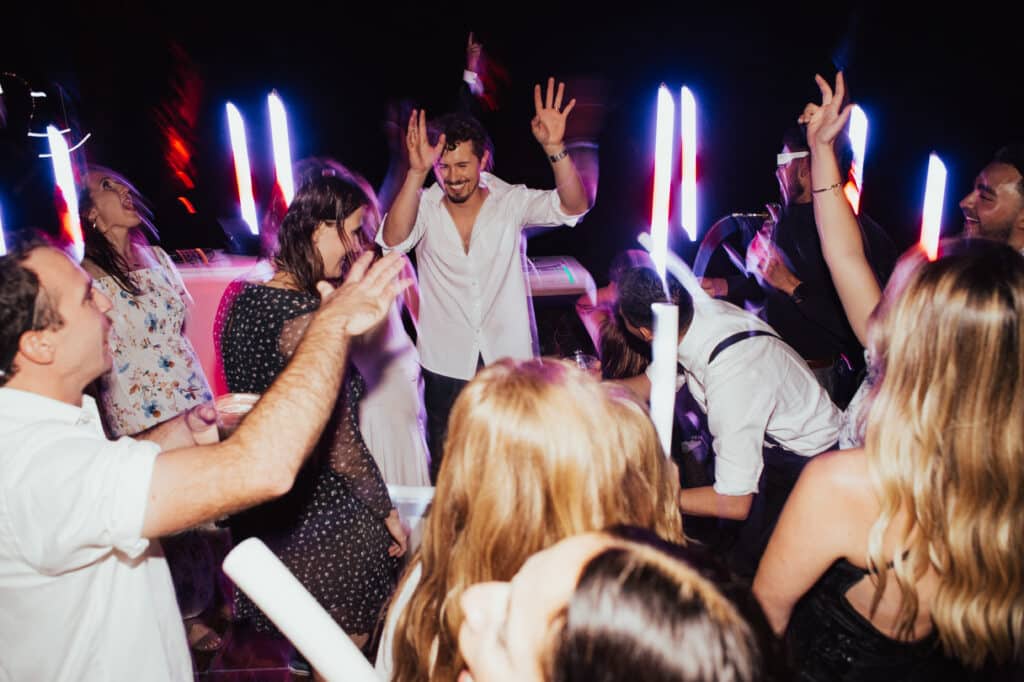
(641, 287)
(1013, 155)
(24, 306)
(459, 127)
(795, 137)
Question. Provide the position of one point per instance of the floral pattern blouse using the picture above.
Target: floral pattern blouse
(155, 373)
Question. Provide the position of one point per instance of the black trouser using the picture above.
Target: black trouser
(439, 394)
(781, 470)
(741, 543)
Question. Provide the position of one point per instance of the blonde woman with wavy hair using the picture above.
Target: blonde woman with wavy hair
(915, 540)
(537, 450)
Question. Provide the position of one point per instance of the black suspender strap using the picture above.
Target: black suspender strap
(736, 338)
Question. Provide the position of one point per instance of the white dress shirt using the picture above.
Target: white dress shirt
(477, 303)
(83, 596)
(757, 387)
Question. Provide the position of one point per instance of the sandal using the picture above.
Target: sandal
(202, 638)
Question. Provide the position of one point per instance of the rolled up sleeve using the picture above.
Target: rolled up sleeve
(85, 498)
(739, 404)
(543, 208)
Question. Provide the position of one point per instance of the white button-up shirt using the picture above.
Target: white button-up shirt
(83, 596)
(477, 303)
(757, 387)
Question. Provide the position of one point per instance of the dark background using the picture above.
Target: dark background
(929, 80)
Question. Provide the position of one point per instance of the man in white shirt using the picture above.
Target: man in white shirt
(85, 592)
(467, 231)
(765, 410)
(994, 208)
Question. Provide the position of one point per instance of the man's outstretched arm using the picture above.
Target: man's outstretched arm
(193, 485)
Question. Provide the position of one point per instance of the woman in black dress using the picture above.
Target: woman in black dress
(336, 530)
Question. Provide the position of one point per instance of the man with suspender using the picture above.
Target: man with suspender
(765, 411)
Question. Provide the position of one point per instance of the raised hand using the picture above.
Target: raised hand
(825, 121)
(422, 155)
(774, 271)
(549, 122)
(474, 51)
(365, 296)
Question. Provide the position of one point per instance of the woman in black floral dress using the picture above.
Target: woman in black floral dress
(336, 530)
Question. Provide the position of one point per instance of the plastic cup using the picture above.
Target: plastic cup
(231, 409)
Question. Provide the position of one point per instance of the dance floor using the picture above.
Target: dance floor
(246, 656)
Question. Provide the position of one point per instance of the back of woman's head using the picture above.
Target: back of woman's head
(649, 483)
(946, 443)
(531, 457)
(319, 198)
(622, 355)
(525, 458)
(641, 613)
(314, 166)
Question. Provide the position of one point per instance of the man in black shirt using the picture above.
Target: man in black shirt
(791, 282)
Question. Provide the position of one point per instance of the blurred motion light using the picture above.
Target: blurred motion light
(3, 241)
(282, 147)
(858, 143)
(934, 194)
(688, 142)
(662, 178)
(65, 181)
(243, 174)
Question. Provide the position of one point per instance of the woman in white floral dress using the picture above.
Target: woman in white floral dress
(155, 373)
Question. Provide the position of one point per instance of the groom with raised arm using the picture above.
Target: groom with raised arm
(468, 234)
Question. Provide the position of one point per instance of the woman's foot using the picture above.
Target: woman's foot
(201, 637)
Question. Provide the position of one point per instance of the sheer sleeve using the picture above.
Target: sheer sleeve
(348, 455)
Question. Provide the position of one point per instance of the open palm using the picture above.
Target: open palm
(422, 154)
(549, 122)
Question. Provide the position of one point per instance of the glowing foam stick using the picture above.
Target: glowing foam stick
(858, 143)
(3, 242)
(270, 585)
(243, 175)
(282, 147)
(934, 194)
(663, 372)
(662, 178)
(688, 141)
(65, 179)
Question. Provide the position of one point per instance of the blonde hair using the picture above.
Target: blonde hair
(945, 446)
(532, 456)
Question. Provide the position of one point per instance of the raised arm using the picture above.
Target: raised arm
(422, 155)
(260, 461)
(549, 129)
(841, 240)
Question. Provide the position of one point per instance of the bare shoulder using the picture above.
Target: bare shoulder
(845, 474)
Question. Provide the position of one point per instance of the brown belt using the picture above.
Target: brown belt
(821, 364)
